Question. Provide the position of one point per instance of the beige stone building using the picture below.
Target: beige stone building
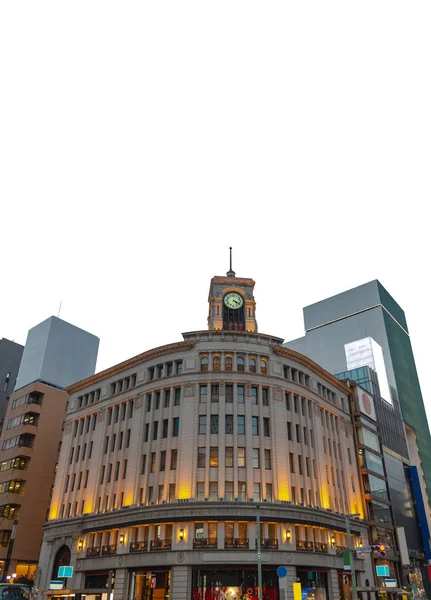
(168, 457)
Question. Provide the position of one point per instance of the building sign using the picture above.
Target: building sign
(366, 404)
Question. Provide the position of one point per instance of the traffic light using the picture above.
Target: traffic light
(379, 549)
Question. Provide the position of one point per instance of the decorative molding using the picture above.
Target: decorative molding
(139, 400)
(129, 364)
(101, 415)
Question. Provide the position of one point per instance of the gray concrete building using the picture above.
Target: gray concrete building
(168, 457)
(10, 359)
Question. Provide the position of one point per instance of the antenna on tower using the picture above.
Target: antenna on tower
(230, 273)
(59, 309)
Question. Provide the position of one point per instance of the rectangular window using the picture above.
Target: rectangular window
(287, 400)
(241, 457)
(165, 428)
(242, 490)
(228, 456)
(289, 431)
(269, 492)
(292, 462)
(254, 395)
(298, 433)
(147, 432)
(117, 471)
(202, 424)
(158, 395)
(150, 494)
(174, 455)
(293, 494)
(240, 424)
(155, 429)
(214, 424)
(176, 427)
(265, 396)
(162, 460)
(125, 469)
(305, 437)
(215, 392)
(256, 492)
(307, 466)
(256, 458)
(116, 413)
(109, 472)
(255, 425)
(86, 479)
(160, 494)
(171, 492)
(200, 490)
(213, 491)
(153, 462)
(148, 402)
(177, 399)
(266, 431)
(120, 440)
(213, 456)
(228, 423)
(300, 464)
(228, 491)
(201, 458)
(240, 394)
(128, 438)
(296, 403)
(203, 393)
(267, 459)
(167, 394)
(123, 411)
(229, 393)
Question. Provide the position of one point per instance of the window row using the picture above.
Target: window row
(120, 412)
(89, 398)
(116, 441)
(76, 480)
(225, 362)
(175, 429)
(8, 511)
(14, 486)
(121, 385)
(84, 425)
(297, 376)
(30, 418)
(78, 455)
(32, 398)
(327, 394)
(165, 369)
(259, 395)
(113, 471)
(303, 435)
(159, 397)
(231, 493)
(25, 440)
(211, 459)
(258, 425)
(17, 462)
(163, 465)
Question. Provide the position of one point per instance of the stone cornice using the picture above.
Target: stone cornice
(129, 364)
(301, 358)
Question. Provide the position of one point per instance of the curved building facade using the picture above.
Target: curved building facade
(171, 459)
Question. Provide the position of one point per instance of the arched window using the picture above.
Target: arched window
(240, 363)
(228, 363)
(216, 363)
(263, 366)
(252, 364)
(62, 559)
(204, 363)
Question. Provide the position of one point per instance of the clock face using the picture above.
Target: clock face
(233, 300)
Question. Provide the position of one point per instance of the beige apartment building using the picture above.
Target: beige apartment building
(168, 458)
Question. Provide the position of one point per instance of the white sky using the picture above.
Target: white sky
(138, 140)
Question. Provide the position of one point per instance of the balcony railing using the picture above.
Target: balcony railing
(304, 546)
(340, 549)
(200, 543)
(108, 550)
(138, 547)
(94, 551)
(236, 543)
(319, 547)
(269, 544)
(161, 544)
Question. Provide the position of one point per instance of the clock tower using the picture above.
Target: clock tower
(231, 303)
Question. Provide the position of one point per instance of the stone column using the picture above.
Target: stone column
(334, 592)
(120, 590)
(285, 583)
(181, 582)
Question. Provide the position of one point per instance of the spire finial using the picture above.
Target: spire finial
(230, 273)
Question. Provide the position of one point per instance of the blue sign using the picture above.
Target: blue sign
(282, 571)
(382, 570)
(65, 572)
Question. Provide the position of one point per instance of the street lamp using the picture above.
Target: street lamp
(350, 550)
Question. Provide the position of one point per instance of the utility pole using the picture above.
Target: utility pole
(350, 550)
(9, 552)
(259, 553)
